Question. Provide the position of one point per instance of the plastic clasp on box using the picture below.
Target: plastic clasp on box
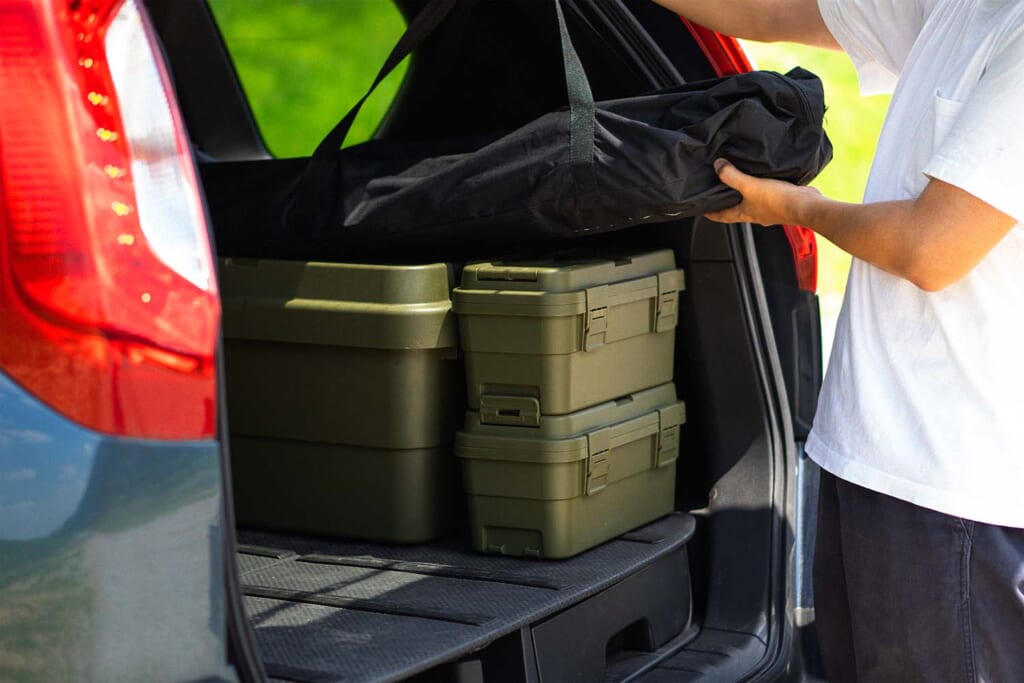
(596, 327)
(669, 420)
(598, 446)
(667, 303)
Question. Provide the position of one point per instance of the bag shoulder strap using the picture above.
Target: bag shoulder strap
(581, 100)
(425, 22)
(316, 181)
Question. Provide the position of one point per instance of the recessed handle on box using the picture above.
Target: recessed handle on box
(513, 411)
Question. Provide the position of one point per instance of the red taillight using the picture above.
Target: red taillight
(803, 242)
(108, 303)
(724, 52)
(727, 58)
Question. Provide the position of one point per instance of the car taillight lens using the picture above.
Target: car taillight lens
(804, 245)
(108, 303)
(724, 52)
(727, 58)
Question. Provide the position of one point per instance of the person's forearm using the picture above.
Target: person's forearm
(932, 240)
(750, 19)
(884, 234)
(764, 20)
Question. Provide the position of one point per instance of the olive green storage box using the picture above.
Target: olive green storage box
(575, 480)
(567, 334)
(343, 391)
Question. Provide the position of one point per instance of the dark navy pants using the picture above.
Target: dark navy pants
(906, 594)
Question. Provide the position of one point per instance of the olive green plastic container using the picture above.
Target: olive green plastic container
(343, 398)
(567, 333)
(575, 480)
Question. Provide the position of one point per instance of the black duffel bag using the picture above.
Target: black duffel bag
(585, 169)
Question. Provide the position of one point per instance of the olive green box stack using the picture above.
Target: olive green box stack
(572, 433)
(344, 398)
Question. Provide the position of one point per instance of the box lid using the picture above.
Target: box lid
(564, 287)
(338, 304)
(568, 438)
(569, 271)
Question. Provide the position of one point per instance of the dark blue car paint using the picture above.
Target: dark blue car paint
(110, 552)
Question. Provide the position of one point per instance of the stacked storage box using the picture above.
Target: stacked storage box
(572, 434)
(344, 398)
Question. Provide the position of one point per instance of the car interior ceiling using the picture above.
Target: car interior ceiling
(479, 74)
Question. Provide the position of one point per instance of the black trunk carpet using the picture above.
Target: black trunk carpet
(325, 610)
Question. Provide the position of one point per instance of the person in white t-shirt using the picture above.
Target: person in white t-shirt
(919, 570)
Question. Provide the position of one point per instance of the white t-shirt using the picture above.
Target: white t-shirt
(924, 395)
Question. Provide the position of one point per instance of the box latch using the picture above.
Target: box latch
(596, 324)
(598, 448)
(667, 307)
(514, 411)
(669, 420)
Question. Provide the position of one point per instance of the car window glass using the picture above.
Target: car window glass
(304, 63)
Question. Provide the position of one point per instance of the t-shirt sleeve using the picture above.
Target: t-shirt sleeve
(877, 35)
(983, 151)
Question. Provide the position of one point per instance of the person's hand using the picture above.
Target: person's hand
(765, 201)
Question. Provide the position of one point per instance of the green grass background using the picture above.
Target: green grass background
(304, 64)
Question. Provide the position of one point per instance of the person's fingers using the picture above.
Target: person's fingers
(730, 175)
(761, 198)
(732, 215)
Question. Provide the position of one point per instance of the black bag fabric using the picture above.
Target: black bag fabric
(585, 169)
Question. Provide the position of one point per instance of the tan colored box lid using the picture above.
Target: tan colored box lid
(564, 272)
(567, 438)
(338, 304)
(565, 286)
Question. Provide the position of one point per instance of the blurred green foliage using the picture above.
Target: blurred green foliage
(304, 63)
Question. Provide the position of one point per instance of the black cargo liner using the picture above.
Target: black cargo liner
(326, 610)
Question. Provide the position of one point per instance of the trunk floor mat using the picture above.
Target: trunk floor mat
(325, 610)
